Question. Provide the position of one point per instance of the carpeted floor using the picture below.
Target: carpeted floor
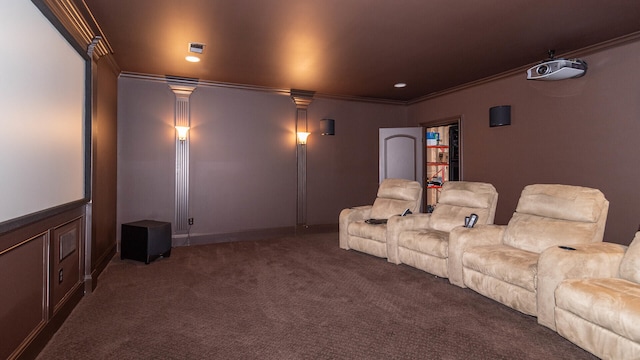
(292, 298)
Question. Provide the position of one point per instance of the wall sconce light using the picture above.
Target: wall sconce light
(182, 132)
(302, 137)
(327, 127)
(500, 115)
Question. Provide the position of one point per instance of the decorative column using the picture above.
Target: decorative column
(302, 99)
(182, 124)
(96, 49)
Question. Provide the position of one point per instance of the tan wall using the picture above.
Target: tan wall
(146, 153)
(343, 169)
(242, 174)
(243, 156)
(578, 131)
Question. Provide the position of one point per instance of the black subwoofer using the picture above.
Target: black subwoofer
(145, 240)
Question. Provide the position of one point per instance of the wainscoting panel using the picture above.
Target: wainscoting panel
(65, 261)
(23, 283)
(41, 267)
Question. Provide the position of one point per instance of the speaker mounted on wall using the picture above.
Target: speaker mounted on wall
(327, 127)
(500, 115)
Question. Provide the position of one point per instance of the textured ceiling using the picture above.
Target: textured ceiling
(355, 48)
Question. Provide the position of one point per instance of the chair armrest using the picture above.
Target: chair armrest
(593, 260)
(347, 216)
(398, 224)
(462, 238)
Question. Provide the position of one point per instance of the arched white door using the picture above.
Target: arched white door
(402, 153)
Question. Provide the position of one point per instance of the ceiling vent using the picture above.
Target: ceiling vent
(197, 48)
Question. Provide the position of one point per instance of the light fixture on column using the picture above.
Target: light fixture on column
(182, 132)
(302, 137)
(327, 127)
(302, 99)
(182, 88)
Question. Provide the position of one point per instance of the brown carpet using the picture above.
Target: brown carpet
(292, 298)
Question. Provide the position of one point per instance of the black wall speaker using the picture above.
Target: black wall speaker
(327, 127)
(500, 115)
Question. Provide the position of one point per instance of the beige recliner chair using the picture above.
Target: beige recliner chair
(422, 240)
(501, 261)
(394, 197)
(598, 306)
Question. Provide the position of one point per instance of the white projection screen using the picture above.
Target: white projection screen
(42, 150)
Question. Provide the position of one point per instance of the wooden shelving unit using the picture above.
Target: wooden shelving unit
(437, 168)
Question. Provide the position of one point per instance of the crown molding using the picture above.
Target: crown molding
(286, 92)
(289, 92)
(629, 38)
(177, 80)
(302, 98)
(81, 25)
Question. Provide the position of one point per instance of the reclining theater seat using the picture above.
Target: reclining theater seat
(422, 240)
(506, 267)
(394, 197)
(598, 307)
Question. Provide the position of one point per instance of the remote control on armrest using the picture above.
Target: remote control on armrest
(376, 221)
(473, 219)
(406, 212)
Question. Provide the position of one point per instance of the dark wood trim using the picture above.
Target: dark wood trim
(45, 220)
(32, 344)
(100, 265)
(60, 292)
(32, 350)
(443, 122)
(23, 221)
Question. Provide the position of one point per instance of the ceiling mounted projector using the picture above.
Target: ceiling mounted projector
(557, 69)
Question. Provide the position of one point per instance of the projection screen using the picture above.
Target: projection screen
(42, 150)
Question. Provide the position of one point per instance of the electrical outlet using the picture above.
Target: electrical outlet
(60, 276)
(190, 221)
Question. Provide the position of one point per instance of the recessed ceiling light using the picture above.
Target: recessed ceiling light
(400, 85)
(192, 59)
